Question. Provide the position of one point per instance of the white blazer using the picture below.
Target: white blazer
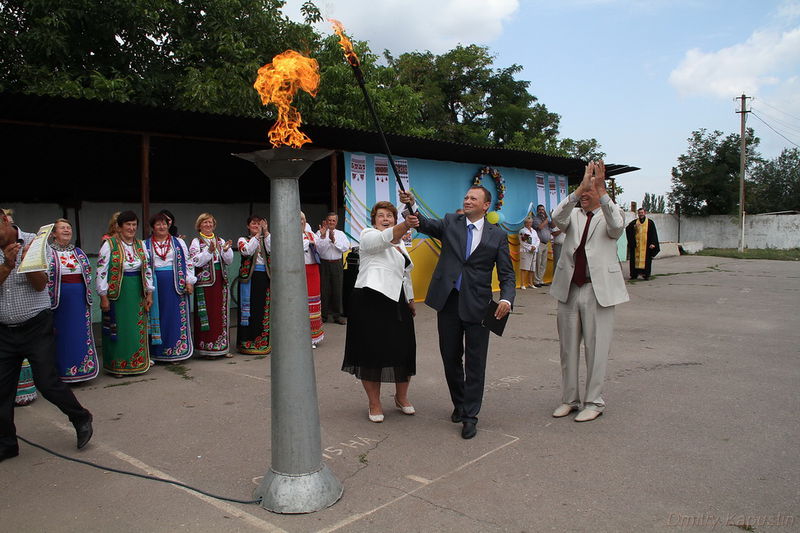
(381, 267)
(601, 250)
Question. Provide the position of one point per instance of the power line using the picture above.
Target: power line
(779, 110)
(783, 124)
(773, 129)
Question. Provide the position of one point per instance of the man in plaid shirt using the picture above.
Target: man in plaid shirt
(26, 330)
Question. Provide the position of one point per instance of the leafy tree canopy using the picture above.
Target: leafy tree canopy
(203, 55)
(706, 180)
(774, 185)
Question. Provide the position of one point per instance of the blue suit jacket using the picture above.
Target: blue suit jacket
(476, 281)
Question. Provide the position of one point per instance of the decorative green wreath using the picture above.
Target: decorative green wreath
(499, 182)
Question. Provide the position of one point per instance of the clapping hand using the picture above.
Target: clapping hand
(227, 245)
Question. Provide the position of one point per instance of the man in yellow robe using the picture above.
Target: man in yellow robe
(642, 244)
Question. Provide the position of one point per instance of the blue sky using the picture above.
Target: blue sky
(637, 75)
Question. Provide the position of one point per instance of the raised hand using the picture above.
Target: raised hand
(406, 197)
(600, 178)
(412, 221)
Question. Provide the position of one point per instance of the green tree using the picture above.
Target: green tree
(653, 203)
(774, 185)
(706, 180)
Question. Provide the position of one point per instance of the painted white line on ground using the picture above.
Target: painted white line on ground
(359, 516)
(227, 508)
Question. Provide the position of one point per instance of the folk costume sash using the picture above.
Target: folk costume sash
(116, 267)
(641, 242)
(313, 248)
(54, 276)
(246, 269)
(207, 276)
(179, 279)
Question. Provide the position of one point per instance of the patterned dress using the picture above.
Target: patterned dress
(311, 258)
(254, 296)
(69, 284)
(125, 276)
(211, 306)
(170, 333)
(26, 390)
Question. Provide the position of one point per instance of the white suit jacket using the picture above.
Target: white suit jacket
(381, 267)
(601, 250)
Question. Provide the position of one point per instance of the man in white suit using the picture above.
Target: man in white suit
(588, 284)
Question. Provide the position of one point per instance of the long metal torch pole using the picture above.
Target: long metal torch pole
(360, 79)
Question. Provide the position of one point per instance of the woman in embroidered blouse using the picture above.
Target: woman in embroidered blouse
(252, 335)
(170, 334)
(69, 283)
(311, 258)
(210, 256)
(125, 286)
(528, 243)
(381, 344)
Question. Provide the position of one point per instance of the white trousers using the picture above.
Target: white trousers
(541, 263)
(582, 318)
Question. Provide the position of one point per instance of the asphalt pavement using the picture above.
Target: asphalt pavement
(700, 432)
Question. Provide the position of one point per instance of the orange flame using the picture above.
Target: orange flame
(347, 46)
(277, 84)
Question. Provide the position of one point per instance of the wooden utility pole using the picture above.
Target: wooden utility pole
(742, 163)
(145, 183)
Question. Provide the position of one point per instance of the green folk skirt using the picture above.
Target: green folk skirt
(125, 344)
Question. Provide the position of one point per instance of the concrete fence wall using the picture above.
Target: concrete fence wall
(722, 231)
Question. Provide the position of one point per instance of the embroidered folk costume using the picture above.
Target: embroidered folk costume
(211, 336)
(125, 276)
(69, 281)
(254, 296)
(311, 258)
(26, 390)
(170, 333)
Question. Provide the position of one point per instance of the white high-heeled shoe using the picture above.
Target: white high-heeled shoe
(406, 409)
(375, 418)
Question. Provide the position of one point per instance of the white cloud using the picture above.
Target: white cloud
(788, 11)
(408, 25)
(767, 58)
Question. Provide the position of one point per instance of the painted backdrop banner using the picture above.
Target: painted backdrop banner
(382, 180)
(553, 193)
(540, 189)
(356, 196)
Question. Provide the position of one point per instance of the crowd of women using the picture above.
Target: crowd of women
(161, 300)
(145, 288)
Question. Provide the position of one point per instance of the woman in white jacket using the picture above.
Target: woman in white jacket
(381, 345)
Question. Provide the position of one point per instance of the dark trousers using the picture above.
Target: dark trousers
(636, 272)
(35, 340)
(463, 346)
(331, 276)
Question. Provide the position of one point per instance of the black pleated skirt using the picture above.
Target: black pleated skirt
(381, 345)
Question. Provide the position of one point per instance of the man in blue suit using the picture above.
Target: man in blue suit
(460, 292)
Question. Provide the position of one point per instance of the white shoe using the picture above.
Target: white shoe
(587, 415)
(523, 287)
(406, 409)
(563, 410)
(375, 418)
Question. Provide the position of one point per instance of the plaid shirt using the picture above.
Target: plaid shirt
(18, 300)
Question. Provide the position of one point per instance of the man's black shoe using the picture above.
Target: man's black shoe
(84, 431)
(8, 453)
(456, 416)
(469, 430)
